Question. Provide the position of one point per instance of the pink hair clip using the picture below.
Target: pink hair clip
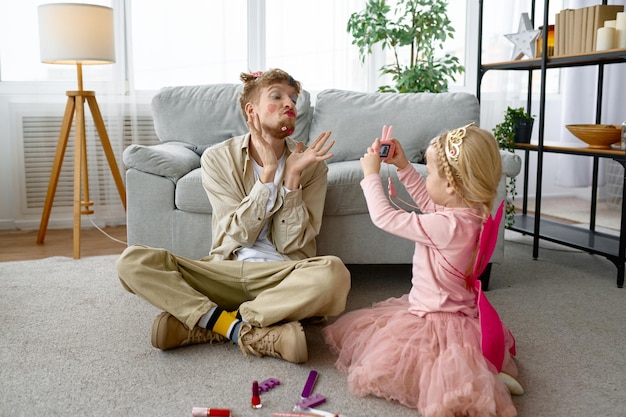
(257, 74)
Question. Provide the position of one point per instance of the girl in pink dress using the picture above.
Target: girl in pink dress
(424, 348)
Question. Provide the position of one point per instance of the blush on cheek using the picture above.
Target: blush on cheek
(271, 108)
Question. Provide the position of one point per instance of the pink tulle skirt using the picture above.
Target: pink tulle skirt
(432, 363)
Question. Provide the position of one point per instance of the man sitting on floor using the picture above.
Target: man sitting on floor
(261, 276)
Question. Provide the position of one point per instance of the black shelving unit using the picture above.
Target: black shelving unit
(590, 240)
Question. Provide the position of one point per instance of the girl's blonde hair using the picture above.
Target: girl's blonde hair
(255, 81)
(469, 159)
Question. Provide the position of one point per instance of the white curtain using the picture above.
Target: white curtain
(500, 89)
(579, 97)
(119, 112)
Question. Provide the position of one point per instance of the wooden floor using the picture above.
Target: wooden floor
(21, 246)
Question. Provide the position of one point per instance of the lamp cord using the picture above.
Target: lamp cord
(105, 233)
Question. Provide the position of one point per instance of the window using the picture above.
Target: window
(199, 42)
(327, 57)
(310, 40)
(187, 42)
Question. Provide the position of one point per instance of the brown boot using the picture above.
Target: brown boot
(168, 333)
(286, 341)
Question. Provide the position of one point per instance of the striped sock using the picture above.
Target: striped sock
(236, 314)
(235, 332)
(221, 322)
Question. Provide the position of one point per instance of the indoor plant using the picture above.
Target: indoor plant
(516, 127)
(421, 26)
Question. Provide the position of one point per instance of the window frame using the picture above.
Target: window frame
(121, 84)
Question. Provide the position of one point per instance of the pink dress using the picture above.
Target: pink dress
(424, 349)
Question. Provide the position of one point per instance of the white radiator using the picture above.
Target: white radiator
(39, 137)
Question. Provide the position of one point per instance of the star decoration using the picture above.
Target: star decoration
(525, 38)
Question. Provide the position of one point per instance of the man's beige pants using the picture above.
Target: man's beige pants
(264, 292)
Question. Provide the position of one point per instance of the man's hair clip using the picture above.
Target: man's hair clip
(257, 74)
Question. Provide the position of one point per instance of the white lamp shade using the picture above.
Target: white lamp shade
(71, 33)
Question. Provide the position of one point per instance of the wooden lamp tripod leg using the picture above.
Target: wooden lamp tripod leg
(86, 202)
(80, 164)
(106, 146)
(56, 167)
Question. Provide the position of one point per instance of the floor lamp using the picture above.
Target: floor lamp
(77, 34)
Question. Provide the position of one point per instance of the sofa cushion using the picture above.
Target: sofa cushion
(204, 115)
(190, 195)
(344, 195)
(170, 160)
(356, 119)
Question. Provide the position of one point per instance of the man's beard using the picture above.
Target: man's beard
(282, 130)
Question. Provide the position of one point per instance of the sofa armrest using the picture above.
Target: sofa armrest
(511, 163)
(171, 160)
(150, 203)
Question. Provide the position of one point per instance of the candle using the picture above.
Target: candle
(605, 39)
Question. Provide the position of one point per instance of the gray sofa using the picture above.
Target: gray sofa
(168, 208)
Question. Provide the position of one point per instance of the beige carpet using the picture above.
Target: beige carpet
(74, 343)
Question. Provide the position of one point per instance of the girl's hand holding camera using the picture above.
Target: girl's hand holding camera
(370, 162)
(398, 158)
(387, 149)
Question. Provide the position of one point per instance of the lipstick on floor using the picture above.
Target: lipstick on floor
(210, 412)
(255, 402)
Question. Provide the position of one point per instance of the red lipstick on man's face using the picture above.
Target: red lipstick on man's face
(290, 113)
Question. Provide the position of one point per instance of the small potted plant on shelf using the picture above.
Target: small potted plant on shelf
(516, 127)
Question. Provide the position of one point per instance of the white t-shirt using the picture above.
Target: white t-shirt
(263, 250)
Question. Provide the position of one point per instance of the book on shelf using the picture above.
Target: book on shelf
(570, 31)
(590, 30)
(583, 30)
(576, 30)
(557, 35)
(560, 33)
